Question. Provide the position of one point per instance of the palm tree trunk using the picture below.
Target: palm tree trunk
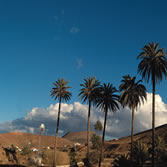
(88, 132)
(101, 151)
(57, 129)
(132, 134)
(153, 122)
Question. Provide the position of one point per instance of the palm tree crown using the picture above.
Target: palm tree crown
(98, 126)
(133, 93)
(107, 97)
(153, 63)
(88, 92)
(60, 90)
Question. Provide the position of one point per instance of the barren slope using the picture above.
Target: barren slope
(21, 139)
(80, 137)
(122, 145)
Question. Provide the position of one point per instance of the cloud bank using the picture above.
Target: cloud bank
(74, 118)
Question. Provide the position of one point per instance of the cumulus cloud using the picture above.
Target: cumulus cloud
(74, 30)
(74, 118)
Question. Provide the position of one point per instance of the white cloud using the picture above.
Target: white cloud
(79, 62)
(74, 30)
(74, 118)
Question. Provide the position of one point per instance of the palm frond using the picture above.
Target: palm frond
(132, 93)
(153, 62)
(60, 90)
(107, 97)
(89, 89)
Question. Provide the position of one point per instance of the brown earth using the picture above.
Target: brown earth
(112, 148)
(79, 137)
(122, 145)
(21, 139)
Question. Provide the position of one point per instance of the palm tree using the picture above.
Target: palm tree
(153, 65)
(61, 93)
(106, 100)
(87, 94)
(98, 126)
(132, 95)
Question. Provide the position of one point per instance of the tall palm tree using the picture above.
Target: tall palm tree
(132, 95)
(106, 100)
(153, 66)
(87, 94)
(61, 93)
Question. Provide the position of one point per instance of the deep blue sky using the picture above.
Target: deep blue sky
(42, 40)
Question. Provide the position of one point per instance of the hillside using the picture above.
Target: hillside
(21, 139)
(111, 149)
(122, 145)
(80, 137)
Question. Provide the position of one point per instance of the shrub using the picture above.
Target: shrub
(122, 161)
(140, 153)
(34, 161)
(96, 142)
(159, 147)
(94, 157)
(43, 155)
(98, 126)
(26, 150)
(72, 155)
(12, 147)
(62, 158)
(164, 157)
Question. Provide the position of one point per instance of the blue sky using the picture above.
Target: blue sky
(42, 40)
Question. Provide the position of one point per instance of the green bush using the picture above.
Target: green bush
(94, 157)
(140, 153)
(26, 150)
(122, 161)
(159, 147)
(72, 155)
(12, 147)
(164, 156)
(96, 142)
(43, 155)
